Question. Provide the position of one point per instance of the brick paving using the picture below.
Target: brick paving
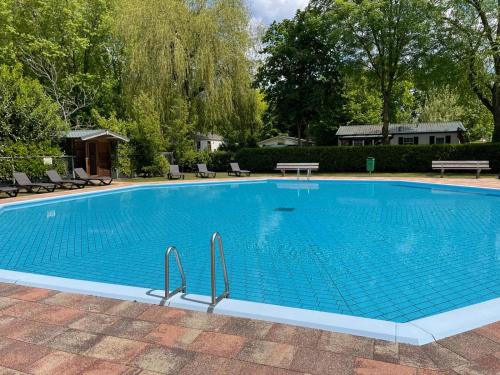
(48, 332)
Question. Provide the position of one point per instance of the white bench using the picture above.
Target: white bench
(471, 165)
(283, 167)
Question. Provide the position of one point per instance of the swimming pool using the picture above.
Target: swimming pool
(395, 251)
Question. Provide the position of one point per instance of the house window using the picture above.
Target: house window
(432, 140)
(448, 139)
(440, 140)
(198, 145)
(357, 142)
(209, 146)
(409, 141)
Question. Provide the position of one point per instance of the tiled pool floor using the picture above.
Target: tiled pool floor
(48, 332)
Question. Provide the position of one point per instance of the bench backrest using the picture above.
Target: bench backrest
(297, 166)
(461, 164)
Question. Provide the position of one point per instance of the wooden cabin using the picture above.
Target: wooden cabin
(93, 149)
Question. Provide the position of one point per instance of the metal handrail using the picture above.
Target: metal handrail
(225, 294)
(182, 288)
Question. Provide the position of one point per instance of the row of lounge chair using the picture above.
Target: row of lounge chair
(203, 171)
(23, 182)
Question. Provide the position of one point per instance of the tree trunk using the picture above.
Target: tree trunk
(496, 113)
(386, 116)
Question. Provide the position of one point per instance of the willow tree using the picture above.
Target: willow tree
(190, 58)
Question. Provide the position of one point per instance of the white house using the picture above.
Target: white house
(210, 142)
(281, 141)
(427, 133)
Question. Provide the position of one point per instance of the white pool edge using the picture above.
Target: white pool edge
(417, 332)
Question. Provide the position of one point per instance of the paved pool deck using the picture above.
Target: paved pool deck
(48, 332)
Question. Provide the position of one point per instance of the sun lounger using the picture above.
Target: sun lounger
(55, 178)
(11, 191)
(94, 180)
(236, 171)
(23, 182)
(204, 172)
(174, 172)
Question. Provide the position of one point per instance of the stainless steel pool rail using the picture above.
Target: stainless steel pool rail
(216, 299)
(182, 288)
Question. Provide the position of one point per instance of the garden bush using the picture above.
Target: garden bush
(353, 159)
(217, 161)
(28, 158)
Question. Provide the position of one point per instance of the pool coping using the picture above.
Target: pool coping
(417, 332)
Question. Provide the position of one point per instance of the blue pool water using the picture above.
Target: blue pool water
(386, 250)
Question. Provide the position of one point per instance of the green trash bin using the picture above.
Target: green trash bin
(370, 165)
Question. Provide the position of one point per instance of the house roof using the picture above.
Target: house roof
(208, 137)
(404, 128)
(88, 134)
(280, 138)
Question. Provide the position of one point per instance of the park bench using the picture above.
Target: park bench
(471, 165)
(283, 167)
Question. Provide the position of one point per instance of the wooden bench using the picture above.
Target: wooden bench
(283, 167)
(462, 165)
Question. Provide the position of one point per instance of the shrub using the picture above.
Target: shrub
(28, 158)
(352, 159)
(159, 167)
(217, 161)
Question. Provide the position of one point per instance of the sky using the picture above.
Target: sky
(267, 11)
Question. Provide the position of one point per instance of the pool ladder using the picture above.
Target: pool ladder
(182, 288)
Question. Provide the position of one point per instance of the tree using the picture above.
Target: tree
(300, 77)
(386, 37)
(191, 52)
(441, 105)
(27, 114)
(474, 37)
(69, 47)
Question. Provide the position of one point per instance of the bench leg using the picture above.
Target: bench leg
(478, 172)
(298, 174)
(442, 173)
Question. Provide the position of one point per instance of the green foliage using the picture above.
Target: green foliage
(190, 59)
(352, 159)
(69, 47)
(26, 113)
(29, 159)
(300, 76)
(441, 105)
(217, 161)
(363, 99)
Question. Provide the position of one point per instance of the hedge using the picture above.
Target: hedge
(353, 158)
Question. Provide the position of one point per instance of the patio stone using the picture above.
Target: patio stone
(31, 331)
(319, 362)
(7, 302)
(109, 368)
(386, 351)
(32, 294)
(297, 336)
(203, 321)
(253, 369)
(470, 345)
(82, 302)
(204, 364)
(415, 356)
(268, 353)
(491, 331)
(218, 344)
(162, 314)
(9, 371)
(127, 309)
(489, 365)
(60, 363)
(43, 313)
(116, 349)
(252, 329)
(365, 366)
(346, 344)
(172, 336)
(130, 329)
(73, 341)
(95, 323)
(6, 289)
(19, 355)
(163, 360)
(443, 357)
